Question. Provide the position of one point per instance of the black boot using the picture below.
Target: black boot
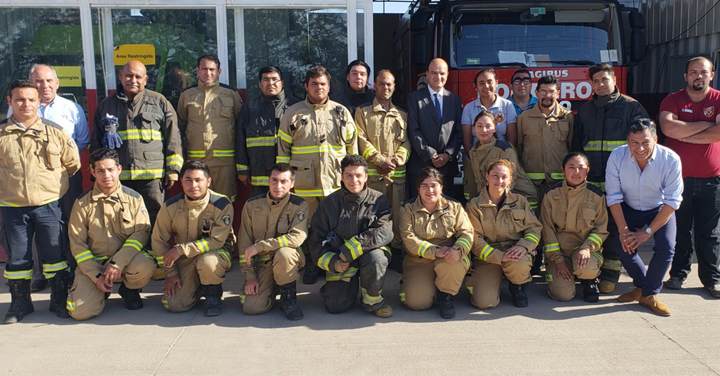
(213, 299)
(447, 308)
(59, 294)
(288, 302)
(311, 273)
(591, 293)
(519, 297)
(21, 302)
(131, 297)
(396, 261)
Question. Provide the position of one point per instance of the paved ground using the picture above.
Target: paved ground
(571, 338)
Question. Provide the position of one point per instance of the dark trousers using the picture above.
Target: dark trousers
(650, 279)
(611, 266)
(700, 209)
(153, 193)
(412, 189)
(19, 225)
(368, 271)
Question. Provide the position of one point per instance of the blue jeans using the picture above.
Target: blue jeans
(650, 279)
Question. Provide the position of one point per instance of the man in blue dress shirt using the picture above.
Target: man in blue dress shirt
(643, 184)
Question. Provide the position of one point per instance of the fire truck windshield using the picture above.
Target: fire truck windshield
(534, 35)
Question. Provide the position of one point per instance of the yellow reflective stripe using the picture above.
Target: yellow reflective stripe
(196, 153)
(612, 265)
(466, 260)
(548, 277)
(260, 180)
(101, 258)
(20, 274)
(470, 289)
(324, 148)
(49, 201)
(599, 256)
(324, 261)
(369, 299)
(164, 303)
(70, 306)
(159, 260)
(283, 241)
(141, 174)
(49, 268)
(373, 172)
(242, 299)
(280, 159)
(349, 136)
(174, 160)
(83, 256)
(600, 145)
(355, 248)
(225, 255)
(242, 167)
(467, 196)
(8, 204)
(137, 134)
(203, 245)
(133, 243)
(350, 272)
(535, 175)
(424, 246)
(533, 204)
(403, 150)
(595, 239)
(261, 141)
(402, 297)
(367, 151)
(463, 241)
(532, 237)
(223, 153)
(332, 277)
(485, 252)
(309, 192)
(552, 247)
(557, 176)
(285, 137)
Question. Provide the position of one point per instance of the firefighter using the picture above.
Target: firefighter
(257, 127)
(37, 157)
(109, 226)
(207, 113)
(574, 218)
(506, 235)
(200, 221)
(489, 149)
(348, 239)
(314, 136)
(438, 236)
(383, 141)
(274, 225)
(355, 92)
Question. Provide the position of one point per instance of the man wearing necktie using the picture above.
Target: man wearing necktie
(434, 128)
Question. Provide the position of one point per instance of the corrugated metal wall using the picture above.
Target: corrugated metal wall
(676, 31)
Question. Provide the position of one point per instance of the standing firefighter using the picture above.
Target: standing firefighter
(273, 227)
(207, 113)
(200, 221)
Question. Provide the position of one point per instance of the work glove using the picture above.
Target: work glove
(111, 139)
(333, 240)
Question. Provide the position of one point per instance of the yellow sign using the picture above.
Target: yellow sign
(145, 53)
(69, 76)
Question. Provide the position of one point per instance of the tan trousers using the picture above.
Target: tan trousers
(423, 277)
(562, 290)
(281, 270)
(395, 192)
(224, 180)
(206, 269)
(86, 300)
(484, 284)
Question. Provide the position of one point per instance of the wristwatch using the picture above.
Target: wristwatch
(649, 230)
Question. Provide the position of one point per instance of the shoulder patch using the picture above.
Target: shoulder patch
(450, 199)
(296, 200)
(503, 145)
(130, 192)
(174, 199)
(258, 197)
(189, 87)
(557, 185)
(4, 121)
(219, 201)
(227, 87)
(53, 124)
(595, 189)
(85, 193)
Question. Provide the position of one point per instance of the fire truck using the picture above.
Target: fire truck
(561, 37)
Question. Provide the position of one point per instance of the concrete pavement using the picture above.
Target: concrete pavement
(573, 338)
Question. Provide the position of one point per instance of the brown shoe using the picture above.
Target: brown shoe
(606, 287)
(652, 302)
(632, 296)
(384, 311)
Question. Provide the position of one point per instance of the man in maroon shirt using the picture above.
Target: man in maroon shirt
(690, 120)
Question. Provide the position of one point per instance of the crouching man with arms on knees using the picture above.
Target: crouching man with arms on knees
(274, 225)
(349, 236)
(200, 221)
(109, 226)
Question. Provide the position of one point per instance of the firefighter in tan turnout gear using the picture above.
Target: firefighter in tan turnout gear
(383, 142)
(273, 227)
(109, 226)
(314, 136)
(574, 218)
(207, 113)
(200, 221)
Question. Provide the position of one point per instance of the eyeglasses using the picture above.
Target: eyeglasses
(523, 81)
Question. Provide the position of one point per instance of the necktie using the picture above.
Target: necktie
(437, 107)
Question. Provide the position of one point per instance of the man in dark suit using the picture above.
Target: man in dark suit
(434, 116)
